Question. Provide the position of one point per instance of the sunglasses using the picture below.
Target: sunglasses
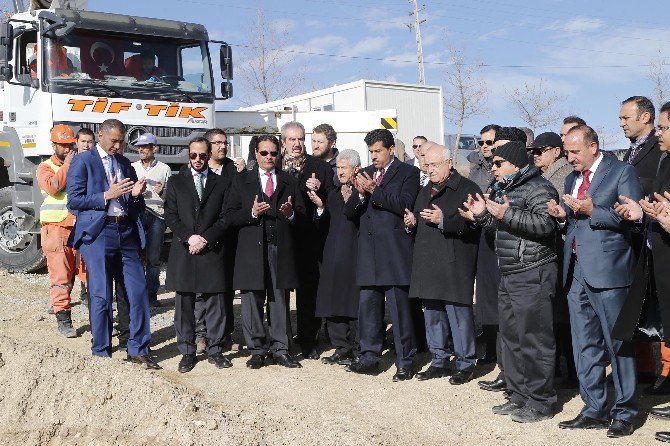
(488, 142)
(266, 153)
(498, 163)
(540, 150)
(202, 156)
(416, 146)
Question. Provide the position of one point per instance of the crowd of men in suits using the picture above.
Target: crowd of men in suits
(561, 239)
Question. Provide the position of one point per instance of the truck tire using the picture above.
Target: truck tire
(19, 253)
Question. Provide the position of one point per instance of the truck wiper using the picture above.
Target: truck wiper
(90, 91)
(172, 94)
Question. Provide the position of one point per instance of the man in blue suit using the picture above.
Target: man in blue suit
(104, 193)
(384, 261)
(598, 270)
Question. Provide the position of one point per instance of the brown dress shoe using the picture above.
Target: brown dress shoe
(144, 360)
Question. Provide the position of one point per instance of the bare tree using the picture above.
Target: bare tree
(535, 105)
(267, 67)
(465, 93)
(660, 79)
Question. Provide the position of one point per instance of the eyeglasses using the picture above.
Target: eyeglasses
(224, 143)
(662, 128)
(488, 142)
(266, 153)
(201, 156)
(416, 146)
(540, 150)
(499, 163)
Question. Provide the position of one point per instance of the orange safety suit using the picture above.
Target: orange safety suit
(61, 259)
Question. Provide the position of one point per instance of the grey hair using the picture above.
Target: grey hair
(447, 153)
(350, 155)
(289, 125)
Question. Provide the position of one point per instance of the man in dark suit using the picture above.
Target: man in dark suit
(103, 190)
(597, 271)
(264, 205)
(636, 118)
(384, 261)
(194, 212)
(312, 174)
(445, 247)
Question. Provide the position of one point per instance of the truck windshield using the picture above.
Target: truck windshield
(128, 65)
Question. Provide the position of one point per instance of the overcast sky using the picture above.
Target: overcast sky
(594, 52)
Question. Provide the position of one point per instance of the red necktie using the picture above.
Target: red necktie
(380, 177)
(586, 182)
(269, 186)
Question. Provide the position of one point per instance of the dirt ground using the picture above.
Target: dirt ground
(53, 392)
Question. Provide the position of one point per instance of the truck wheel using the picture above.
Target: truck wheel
(19, 253)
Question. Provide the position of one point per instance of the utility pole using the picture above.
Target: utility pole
(419, 46)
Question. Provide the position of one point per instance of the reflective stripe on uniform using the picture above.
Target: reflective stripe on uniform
(54, 207)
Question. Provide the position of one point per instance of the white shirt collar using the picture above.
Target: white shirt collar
(262, 172)
(387, 166)
(101, 151)
(195, 172)
(595, 164)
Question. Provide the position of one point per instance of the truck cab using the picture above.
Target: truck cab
(80, 68)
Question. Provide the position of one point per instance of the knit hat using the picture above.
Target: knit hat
(514, 152)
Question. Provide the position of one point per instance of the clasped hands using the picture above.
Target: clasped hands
(432, 215)
(658, 210)
(196, 243)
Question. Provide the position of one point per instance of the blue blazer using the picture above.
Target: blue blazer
(86, 186)
(603, 241)
(384, 247)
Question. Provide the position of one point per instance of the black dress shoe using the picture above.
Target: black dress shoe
(497, 385)
(583, 422)
(255, 362)
(461, 377)
(506, 408)
(144, 360)
(220, 361)
(661, 412)
(186, 363)
(660, 387)
(336, 358)
(620, 428)
(663, 436)
(363, 368)
(433, 372)
(311, 353)
(403, 374)
(286, 360)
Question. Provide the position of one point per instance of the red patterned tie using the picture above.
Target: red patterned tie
(380, 177)
(269, 186)
(581, 192)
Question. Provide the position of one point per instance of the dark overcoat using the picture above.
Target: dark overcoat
(187, 215)
(338, 294)
(445, 260)
(250, 272)
(384, 247)
(309, 237)
(631, 312)
(646, 162)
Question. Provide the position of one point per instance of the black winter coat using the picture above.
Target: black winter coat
(186, 215)
(526, 235)
(338, 294)
(646, 162)
(444, 261)
(250, 262)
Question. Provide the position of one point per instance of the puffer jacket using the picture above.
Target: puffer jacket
(525, 236)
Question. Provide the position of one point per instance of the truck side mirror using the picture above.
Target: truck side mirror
(226, 90)
(226, 61)
(5, 51)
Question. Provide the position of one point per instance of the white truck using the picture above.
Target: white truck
(64, 66)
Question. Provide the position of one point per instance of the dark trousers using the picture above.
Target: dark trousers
(593, 312)
(184, 321)
(279, 324)
(371, 320)
(526, 327)
(343, 333)
(201, 323)
(123, 313)
(307, 324)
(115, 253)
(444, 319)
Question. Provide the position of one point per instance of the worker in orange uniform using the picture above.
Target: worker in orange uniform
(57, 224)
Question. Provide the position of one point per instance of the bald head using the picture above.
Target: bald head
(422, 153)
